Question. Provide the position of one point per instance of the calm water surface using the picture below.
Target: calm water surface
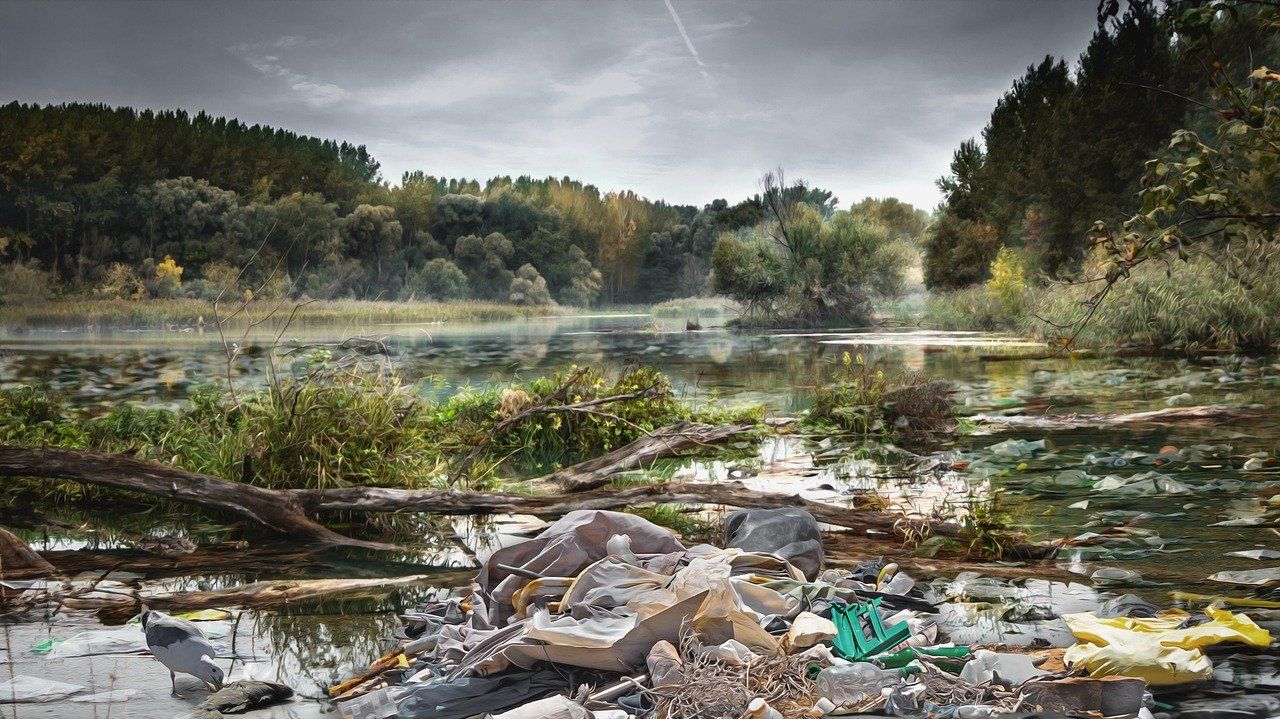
(1180, 512)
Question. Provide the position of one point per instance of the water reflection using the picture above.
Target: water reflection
(1132, 529)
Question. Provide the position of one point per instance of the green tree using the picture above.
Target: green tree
(438, 279)
(529, 288)
(484, 260)
(584, 280)
(957, 252)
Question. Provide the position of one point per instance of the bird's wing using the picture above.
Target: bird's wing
(164, 630)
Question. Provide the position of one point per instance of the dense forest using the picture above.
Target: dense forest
(1066, 146)
(117, 202)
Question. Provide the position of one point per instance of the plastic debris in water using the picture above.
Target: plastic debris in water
(374, 705)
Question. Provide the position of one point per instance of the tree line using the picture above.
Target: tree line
(126, 203)
(1067, 147)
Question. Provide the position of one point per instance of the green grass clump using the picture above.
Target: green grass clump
(866, 400)
(1197, 306)
(547, 441)
(339, 425)
(973, 309)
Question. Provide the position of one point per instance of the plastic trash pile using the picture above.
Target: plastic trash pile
(607, 615)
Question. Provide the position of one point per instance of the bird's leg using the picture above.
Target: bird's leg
(173, 682)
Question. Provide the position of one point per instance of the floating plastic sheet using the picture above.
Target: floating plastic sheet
(24, 689)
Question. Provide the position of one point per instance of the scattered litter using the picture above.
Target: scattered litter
(27, 689)
(1156, 649)
(1105, 696)
(604, 615)
(1018, 447)
(1254, 577)
(988, 667)
(1256, 554)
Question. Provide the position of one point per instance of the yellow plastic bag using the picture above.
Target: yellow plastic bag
(1155, 649)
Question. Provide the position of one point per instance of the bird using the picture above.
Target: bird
(182, 647)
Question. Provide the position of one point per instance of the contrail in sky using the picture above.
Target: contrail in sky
(702, 67)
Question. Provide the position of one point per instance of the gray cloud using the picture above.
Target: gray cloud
(866, 97)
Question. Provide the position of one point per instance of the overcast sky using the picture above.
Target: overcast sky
(682, 100)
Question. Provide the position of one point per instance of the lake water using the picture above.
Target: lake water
(1179, 513)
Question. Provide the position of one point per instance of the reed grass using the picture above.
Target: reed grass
(1190, 307)
(185, 312)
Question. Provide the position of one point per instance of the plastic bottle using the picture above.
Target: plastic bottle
(760, 709)
(821, 708)
(850, 684)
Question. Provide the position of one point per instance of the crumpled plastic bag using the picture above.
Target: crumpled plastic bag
(1155, 649)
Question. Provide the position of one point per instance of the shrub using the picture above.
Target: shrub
(810, 269)
(121, 282)
(166, 281)
(528, 288)
(867, 400)
(438, 279)
(957, 253)
(24, 284)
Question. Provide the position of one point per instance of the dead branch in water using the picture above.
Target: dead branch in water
(291, 512)
(1205, 414)
(275, 510)
(548, 405)
(119, 608)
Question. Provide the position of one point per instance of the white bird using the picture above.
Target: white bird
(182, 647)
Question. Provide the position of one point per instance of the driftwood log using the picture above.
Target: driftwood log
(274, 510)
(1204, 414)
(121, 607)
(666, 442)
(282, 511)
(732, 494)
(291, 512)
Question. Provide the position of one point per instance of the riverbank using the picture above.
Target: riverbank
(186, 314)
(192, 314)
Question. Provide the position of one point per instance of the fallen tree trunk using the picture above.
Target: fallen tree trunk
(1206, 414)
(274, 510)
(259, 595)
(290, 511)
(732, 494)
(280, 511)
(19, 561)
(662, 443)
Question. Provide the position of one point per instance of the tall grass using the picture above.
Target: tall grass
(691, 307)
(1195, 306)
(187, 312)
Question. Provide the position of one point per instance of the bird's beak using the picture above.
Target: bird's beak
(215, 686)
